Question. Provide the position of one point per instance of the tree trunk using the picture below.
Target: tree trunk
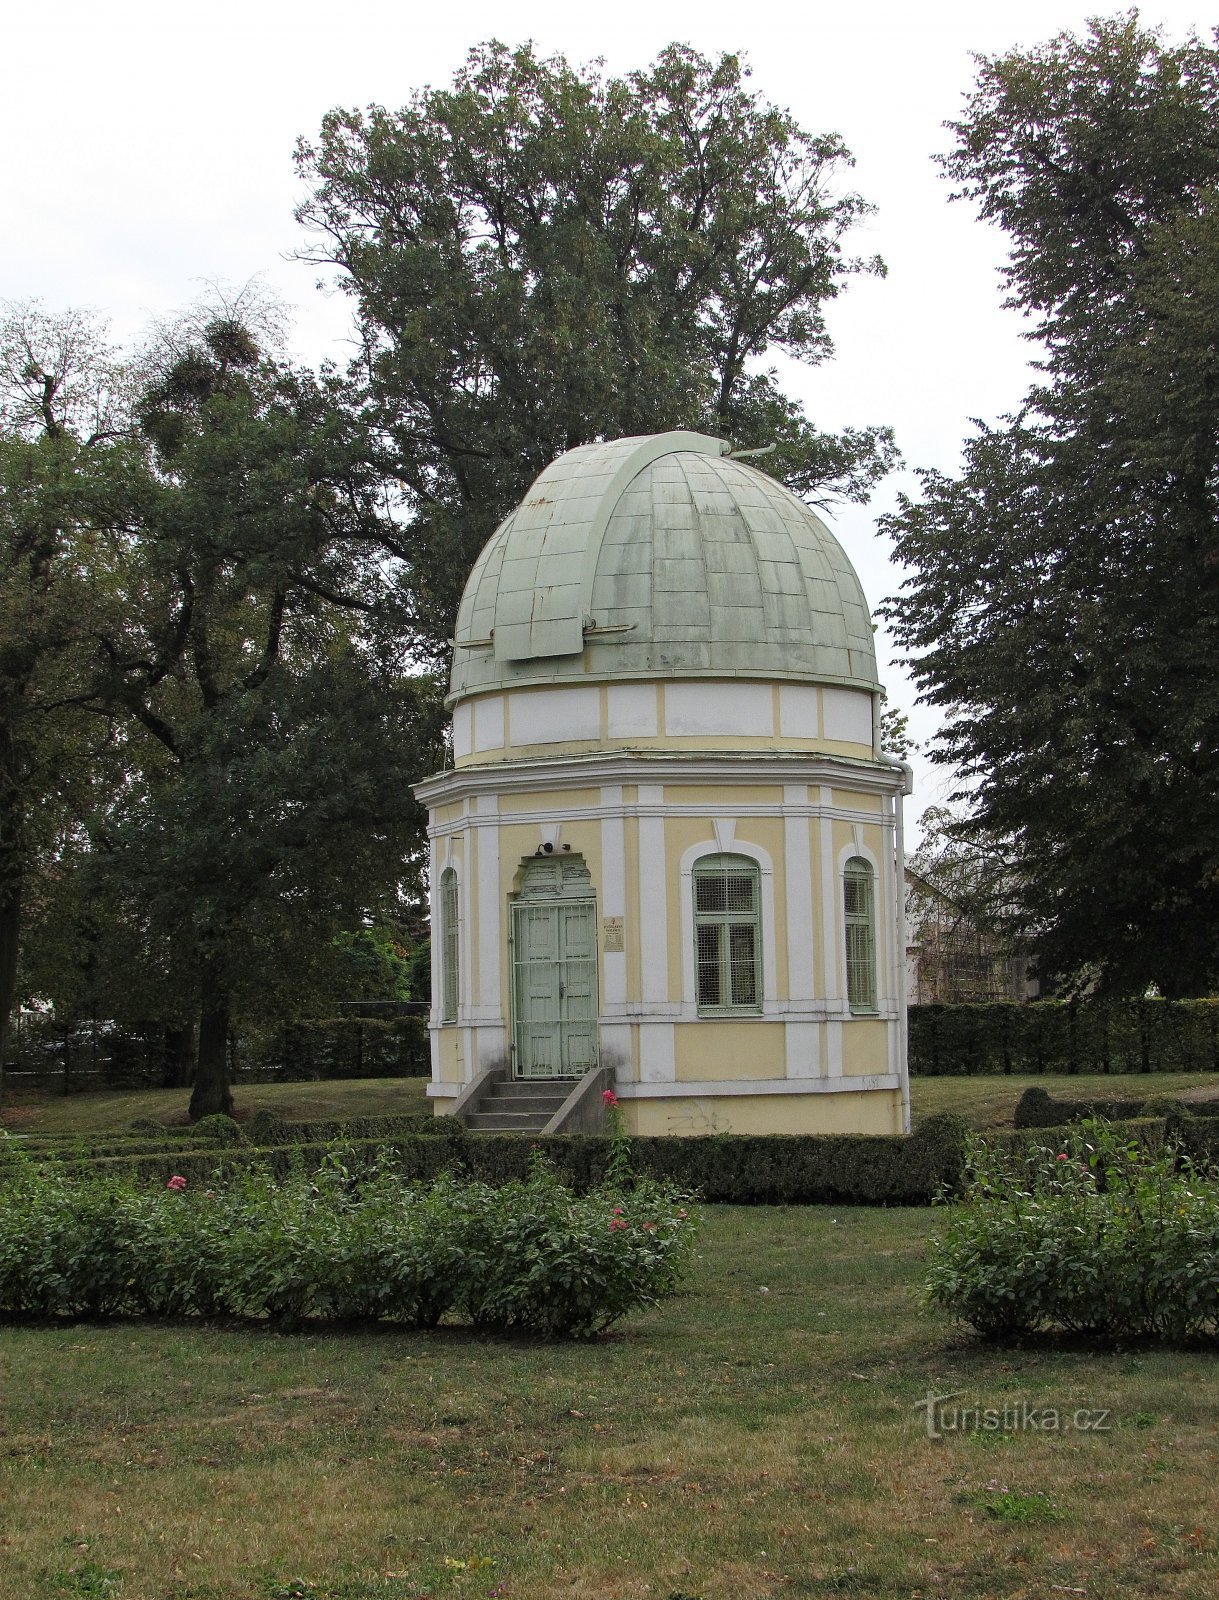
(10, 935)
(179, 1070)
(212, 1092)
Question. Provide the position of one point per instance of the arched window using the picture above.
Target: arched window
(859, 904)
(728, 934)
(449, 986)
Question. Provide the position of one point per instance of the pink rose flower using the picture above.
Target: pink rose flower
(176, 1182)
(616, 1224)
(610, 1098)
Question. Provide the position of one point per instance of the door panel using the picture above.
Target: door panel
(554, 988)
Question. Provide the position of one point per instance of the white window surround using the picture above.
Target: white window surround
(449, 906)
(882, 934)
(689, 987)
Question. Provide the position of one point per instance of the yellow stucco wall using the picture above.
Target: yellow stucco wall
(721, 1049)
(864, 1046)
(876, 1111)
(452, 1059)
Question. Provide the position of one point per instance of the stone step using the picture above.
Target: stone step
(538, 1098)
(513, 1087)
(506, 1122)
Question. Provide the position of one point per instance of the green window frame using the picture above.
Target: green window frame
(727, 892)
(859, 910)
(450, 986)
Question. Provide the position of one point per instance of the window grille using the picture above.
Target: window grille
(449, 987)
(728, 934)
(859, 905)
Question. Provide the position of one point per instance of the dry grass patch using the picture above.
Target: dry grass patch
(733, 1444)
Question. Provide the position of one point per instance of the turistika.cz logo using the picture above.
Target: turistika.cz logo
(942, 1415)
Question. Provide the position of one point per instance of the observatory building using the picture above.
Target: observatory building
(667, 850)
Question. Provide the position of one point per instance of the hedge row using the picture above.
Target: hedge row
(1065, 1036)
(104, 1055)
(177, 1145)
(741, 1169)
(1036, 1108)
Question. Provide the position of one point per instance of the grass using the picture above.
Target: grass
(113, 1110)
(987, 1102)
(758, 1436)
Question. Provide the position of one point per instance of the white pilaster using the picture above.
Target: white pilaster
(653, 898)
(490, 912)
(829, 901)
(657, 1056)
(798, 868)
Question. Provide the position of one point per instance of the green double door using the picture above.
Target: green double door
(554, 988)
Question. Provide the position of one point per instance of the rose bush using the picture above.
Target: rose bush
(1093, 1236)
(528, 1257)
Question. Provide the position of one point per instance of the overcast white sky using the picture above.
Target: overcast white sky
(147, 150)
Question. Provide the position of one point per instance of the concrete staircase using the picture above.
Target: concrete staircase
(517, 1105)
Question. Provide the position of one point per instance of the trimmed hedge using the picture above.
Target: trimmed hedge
(135, 1057)
(1036, 1108)
(1065, 1036)
(739, 1169)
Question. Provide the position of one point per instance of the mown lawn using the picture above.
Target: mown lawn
(987, 1102)
(114, 1110)
(756, 1437)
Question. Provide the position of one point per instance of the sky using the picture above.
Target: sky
(148, 154)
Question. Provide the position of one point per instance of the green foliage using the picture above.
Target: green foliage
(528, 1257)
(374, 965)
(1077, 1036)
(1099, 1236)
(69, 484)
(542, 256)
(1062, 606)
(743, 1169)
(217, 1129)
(1037, 1109)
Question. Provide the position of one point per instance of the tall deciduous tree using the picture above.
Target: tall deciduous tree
(273, 729)
(67, 481)
(541, 256)
(1063, 604)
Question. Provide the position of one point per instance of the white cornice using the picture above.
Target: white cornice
(631, 766)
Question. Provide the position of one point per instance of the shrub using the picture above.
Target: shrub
(1097, 1235)
(217, 1129)
(528, 1257)
(550, 1263)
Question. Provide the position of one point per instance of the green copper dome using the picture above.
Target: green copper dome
(659, 557)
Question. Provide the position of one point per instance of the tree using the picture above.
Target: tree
(1063, 599)
(271, 729)
(541, 256)
(67, 477)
